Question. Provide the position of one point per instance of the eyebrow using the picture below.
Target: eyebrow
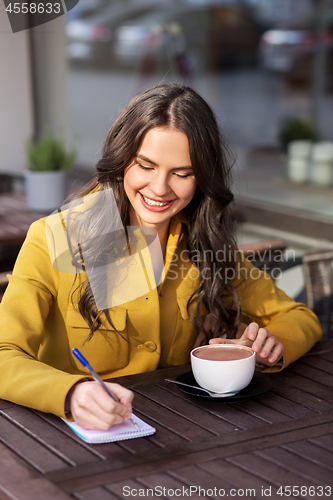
(144, 158)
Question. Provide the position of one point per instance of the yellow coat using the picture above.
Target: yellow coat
(40, 325)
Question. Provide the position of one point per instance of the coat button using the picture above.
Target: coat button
(148, 346)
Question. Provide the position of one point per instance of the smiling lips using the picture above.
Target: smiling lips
(155, 206)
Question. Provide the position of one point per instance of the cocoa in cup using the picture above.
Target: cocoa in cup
(223, 368)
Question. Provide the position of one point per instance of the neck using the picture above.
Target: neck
(163, 233)
(162, 230)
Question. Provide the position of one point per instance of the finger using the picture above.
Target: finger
(276, 353)
(125, 396)
(242, 342)
(260, 339)
(86, 412)
(91, 405)
(268, 346)
(273, 356)
(89, 420)
(218, 340)
(251, 332)
(107, 407)
(90, 398)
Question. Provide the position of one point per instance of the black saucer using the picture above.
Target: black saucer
(258, 385)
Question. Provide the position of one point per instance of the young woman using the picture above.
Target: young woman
(165, 167)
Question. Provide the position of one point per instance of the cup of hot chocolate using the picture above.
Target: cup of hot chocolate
(223, 368)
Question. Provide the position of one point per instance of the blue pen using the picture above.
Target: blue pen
(85, 363)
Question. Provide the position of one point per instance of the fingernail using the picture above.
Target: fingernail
(255, 347)
(263, 354)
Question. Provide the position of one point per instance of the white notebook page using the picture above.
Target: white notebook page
(118, 432)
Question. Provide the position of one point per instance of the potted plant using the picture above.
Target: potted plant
(48, 161)
(293, 128)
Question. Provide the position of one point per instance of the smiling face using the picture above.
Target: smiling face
(160, 182)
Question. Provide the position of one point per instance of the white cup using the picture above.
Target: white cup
(219, 373)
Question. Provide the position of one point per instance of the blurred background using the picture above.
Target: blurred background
(255, 61)
(264, 66)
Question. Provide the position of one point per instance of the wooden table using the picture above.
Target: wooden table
(15, 218)
(272, 443)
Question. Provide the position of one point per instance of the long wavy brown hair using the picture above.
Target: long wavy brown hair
(209, 213)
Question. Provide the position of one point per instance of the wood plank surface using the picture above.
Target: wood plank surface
(70, 452)
(325, 354)
(325, 442)
(306, 400)
(313, 453)
(102, 451)
(15, 218)
(325, 365)
(297, 464)
(265, 413)
(131, 485)
(313, 374)
(20, 482)
(275, 474)
(222, 446)
(157, 483)
(227, 412)
(151, 377)
(286, 407)
(37, 455)
(100, 493)
(184, 408)
(203, 478)
(181, 426)
(239, 478)
(280, 438)
(298, 380)
(5, 404)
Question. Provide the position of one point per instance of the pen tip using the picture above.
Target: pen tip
(134, 423)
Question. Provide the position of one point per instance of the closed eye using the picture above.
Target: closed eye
(183, 176)
(143, 167)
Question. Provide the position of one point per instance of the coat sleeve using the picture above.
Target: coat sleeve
(32, 288)
(292, 323)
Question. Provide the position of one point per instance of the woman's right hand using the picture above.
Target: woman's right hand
(92, 408)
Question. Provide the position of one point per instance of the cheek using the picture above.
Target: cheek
(189, 191)
(130, 182)
(133, 179)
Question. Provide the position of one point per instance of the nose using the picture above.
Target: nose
(160, 184)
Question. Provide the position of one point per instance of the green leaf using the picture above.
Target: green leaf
(50, 154)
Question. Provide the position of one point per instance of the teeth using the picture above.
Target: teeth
(155, 203)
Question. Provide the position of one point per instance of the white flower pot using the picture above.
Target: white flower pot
(298, 160)
(46, 191)
(321, 172)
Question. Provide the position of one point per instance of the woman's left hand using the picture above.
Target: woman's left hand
(267, 348)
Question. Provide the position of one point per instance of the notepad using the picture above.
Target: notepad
(118, 432)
